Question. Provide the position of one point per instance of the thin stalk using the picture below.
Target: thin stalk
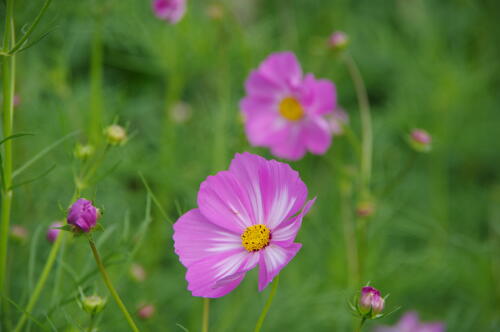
(91, 323)
(41, 281)
(206, 315)
(96, 83)
(269, 301)
(349, 233)
(366, 123)
(360, 326)
(8, 82)
(111, 288)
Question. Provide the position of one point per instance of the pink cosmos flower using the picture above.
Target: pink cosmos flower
(83, 215)
(53, 231)
(169, 10)
(248, 215)
(410, 323)
(285, 110)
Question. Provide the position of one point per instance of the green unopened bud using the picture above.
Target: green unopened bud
(93, 304)
(19, 234)
(365, 209)
(115, 134)
(83, 151)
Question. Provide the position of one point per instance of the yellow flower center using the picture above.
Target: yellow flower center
(255, 237)
(291, 109)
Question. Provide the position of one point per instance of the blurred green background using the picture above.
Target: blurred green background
(434, 243)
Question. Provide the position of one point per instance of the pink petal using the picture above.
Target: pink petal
(285, 234)
(294, 146)
(318, 96)
(317, 134)
(224, 201)
(265, 128)
(254, 104)
(258, 84)
(283, 69)
(272, 259)
(274, 189)
(195, 238)
(217, 275)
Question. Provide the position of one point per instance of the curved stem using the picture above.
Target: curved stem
(206, 314)
(269, 301)
(41, 281)
(110, 286)
(8, 82)
(91, 323)
(366, 123)
(360, 326)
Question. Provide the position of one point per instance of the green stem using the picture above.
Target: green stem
(349, 233)
(360, 326)
(91, 323)
(96, 83)
(269, 301)
(8, 81)
(32, 27)
(206, 315)
(111, 288)
(366, 123)
(41, 281)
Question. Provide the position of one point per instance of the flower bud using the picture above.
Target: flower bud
(371, 301)
(83, 215)
(171, 11)
(338, 41)
(146, 311)
(115, 134)
(180, 112)
(19, 234)
(137, 272)
(93, 304)
(83, 151)
(365, 209)
(53, 231)
(215, 11)
(420, 140)
(17, 100)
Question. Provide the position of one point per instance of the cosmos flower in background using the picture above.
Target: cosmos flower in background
(338, 40)
(53, 231)
(83, 215)
(286, 110)
(248, 215)
(411, 323)
(171, 11)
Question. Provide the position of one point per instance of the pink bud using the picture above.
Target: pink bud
(19, 233)
(169, 10)
(53, 232)
(137, 272)
(338, 40)
(371, 300)
(146, 311)
(83, 215)
(420, 140)
(17, 100)
(365, 209)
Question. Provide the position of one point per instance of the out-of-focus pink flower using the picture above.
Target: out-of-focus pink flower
(410, 323)
(371, 300)
(169, 10)
(146, 311)
(285, 110)
(17, 100)
(338, 40)
(83, 215)
(248, 215)
(53, 232)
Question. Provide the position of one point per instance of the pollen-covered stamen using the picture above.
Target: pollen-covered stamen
(255, 237)
(291, 109)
